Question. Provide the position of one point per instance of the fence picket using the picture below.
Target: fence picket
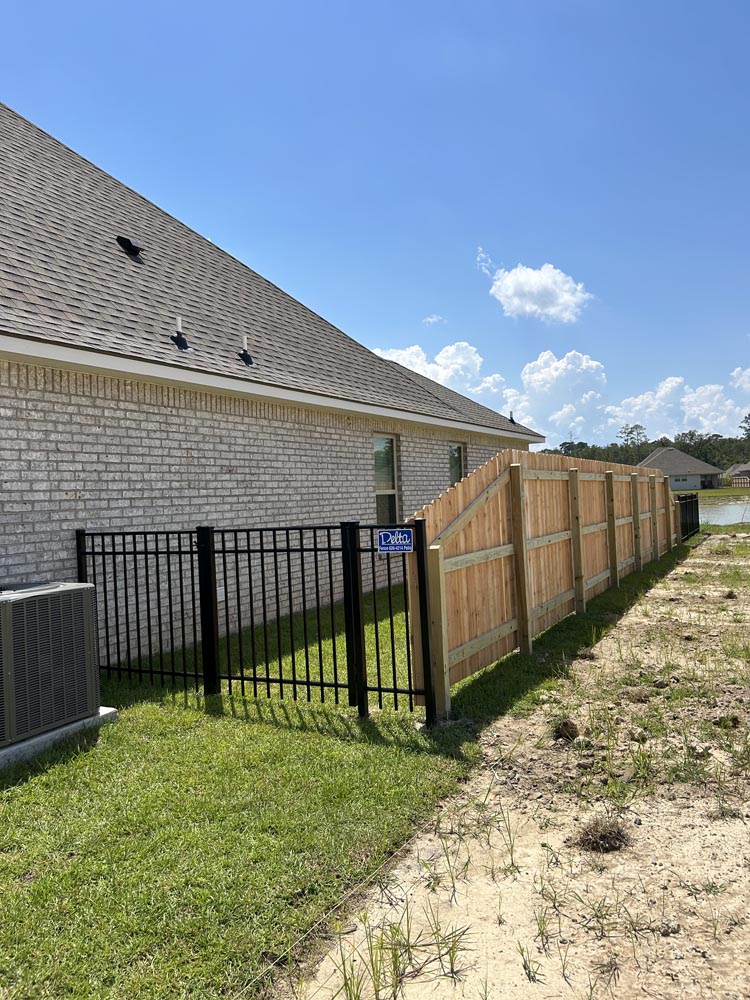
(636, 508)
(609, 485)
(579, 576)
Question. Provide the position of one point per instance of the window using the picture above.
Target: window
(385, 479)
(457, 462)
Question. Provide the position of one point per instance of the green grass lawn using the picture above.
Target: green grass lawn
(725, 491)
(297, 652)
(180, 851)
(725, 529)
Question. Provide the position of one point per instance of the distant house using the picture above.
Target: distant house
(685, 472)
(738, 474)
(150, 380)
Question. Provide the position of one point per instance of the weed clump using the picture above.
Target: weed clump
(603, 834)
(565, 729)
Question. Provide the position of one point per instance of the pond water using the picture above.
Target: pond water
(724, 510)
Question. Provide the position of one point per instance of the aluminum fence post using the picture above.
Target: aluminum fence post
(354, 622)
(83, 576)
(209, 610)
(420, 546)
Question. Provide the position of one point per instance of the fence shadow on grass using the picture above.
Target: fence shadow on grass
(497, 689)
(301, 650)
(493, 692)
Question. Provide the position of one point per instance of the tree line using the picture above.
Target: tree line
(633, 445)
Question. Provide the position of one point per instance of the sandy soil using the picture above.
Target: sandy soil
(647, 740)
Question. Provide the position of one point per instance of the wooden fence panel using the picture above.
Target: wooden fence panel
(507, 570)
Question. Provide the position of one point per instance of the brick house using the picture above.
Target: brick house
(170, 385)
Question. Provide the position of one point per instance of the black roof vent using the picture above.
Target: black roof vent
(179, 339)
(244, 355)
(131, 247)
(180, 342)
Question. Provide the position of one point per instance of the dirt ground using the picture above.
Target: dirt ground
(603, 847)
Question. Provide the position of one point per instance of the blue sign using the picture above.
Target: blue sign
(395, 540)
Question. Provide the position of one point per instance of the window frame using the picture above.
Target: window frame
(462, 446)
(396, 480)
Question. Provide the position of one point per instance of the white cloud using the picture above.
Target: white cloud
(560, 395)
(490, 383)
(659, 407)
(564, 415)
(484, 262)
(674, 406)
(544, 293)
(740, 379)
(573, 370)
(708, 410)
(457, 365)
(565, 398)
(432, 319)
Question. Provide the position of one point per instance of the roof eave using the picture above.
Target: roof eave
(39, 351)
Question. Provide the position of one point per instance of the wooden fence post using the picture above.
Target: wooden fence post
(441, 682)
(636, 505)
(579, 581)
(609, 485)
(520, 558)
(667, 493)
(654, 516)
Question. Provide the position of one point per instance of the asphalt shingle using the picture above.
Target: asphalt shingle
(64, 279)
(674, 462)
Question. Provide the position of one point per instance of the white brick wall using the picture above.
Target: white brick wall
(81, 450)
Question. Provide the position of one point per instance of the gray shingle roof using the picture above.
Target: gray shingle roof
(64, 279)
(674, 462)
(738, 469)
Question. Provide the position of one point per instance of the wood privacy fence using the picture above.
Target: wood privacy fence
(523, 542)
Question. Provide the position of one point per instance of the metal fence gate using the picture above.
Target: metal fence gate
(310, 613)
(687, 504)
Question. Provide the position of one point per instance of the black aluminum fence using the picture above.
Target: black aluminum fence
(687, 504)
(310, 613)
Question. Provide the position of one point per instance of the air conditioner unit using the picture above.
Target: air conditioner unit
(49, 674)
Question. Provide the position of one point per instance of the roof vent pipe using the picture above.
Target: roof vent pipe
(179, 339)
(245, 356)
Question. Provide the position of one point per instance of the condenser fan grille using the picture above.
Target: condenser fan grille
(49, 664)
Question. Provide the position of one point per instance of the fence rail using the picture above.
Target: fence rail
(526, 540)
(306, 612)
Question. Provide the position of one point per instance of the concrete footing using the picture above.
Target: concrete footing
(27, 749)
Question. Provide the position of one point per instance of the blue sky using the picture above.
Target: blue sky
(359, 155)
